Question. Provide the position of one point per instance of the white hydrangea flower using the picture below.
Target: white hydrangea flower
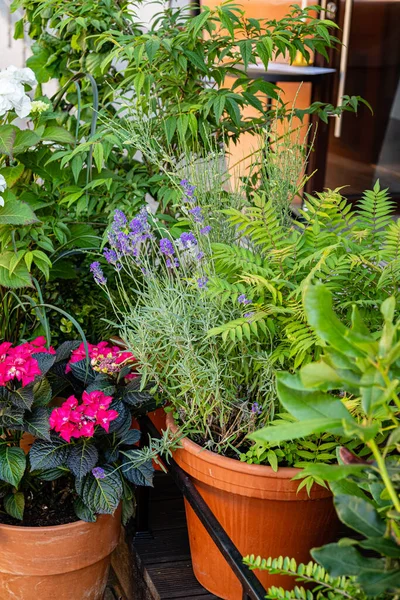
(12, 91)
(3, 186)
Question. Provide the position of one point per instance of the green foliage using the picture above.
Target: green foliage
(358, 369)
(353, 251)
(114, 453)
(326, 586)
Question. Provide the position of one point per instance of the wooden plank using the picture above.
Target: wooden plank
(175, 580)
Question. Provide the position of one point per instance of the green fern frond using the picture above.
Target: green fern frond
(310, 573)
(374, 212)
(225, 290)
(245, 327)
(232, 259)
(261, 225)
(391, 242)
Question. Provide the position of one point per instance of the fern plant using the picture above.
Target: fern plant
(325, 587)
(355, 252)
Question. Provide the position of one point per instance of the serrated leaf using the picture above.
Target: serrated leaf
(128, 510)
(12, 464)
(14, 505)
(83, 371)
(48, 454)
(102, 496)
(82, 458)
(7, 138)
(64, 351)
(131, 437)
(54, 133)
(135, 470)
(42, 392)
(83, 512)
(45, 361)
(15, 212)
(23, 397)
(37, 422)
(52, 474)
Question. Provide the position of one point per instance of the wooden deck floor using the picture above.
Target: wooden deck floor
(160, 565)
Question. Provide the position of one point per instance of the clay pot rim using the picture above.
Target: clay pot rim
(230, 464)
(49, 528)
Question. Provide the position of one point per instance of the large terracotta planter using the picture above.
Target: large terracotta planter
(65, 562)
(259, 509)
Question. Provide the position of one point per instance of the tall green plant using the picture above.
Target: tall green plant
(353, 251)
(352, 391)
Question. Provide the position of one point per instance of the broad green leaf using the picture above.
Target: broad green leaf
(12, 464)
(15, 212)
(305, 404)
(24, 139)
(54, 133)
(345, 560)
(83, 512)
(98, 155)
(135, 470)
(37, 422)
(15, 505)
(152, 45)
(294, 431)
(360, 515)
(102, 496)
(82, 458)
(381, 545)
(48, 455)
(7, 138)
(42, 392)
(318, 307)
(245, 47)
(12, 174)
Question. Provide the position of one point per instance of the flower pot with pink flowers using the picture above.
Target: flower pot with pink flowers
(64, 495)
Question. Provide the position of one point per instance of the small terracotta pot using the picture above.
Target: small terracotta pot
(65, 562)
(260, 510)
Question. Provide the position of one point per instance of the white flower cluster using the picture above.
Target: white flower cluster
(3, 185)
(12, 91)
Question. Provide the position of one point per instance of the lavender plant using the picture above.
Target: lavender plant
(165, 314)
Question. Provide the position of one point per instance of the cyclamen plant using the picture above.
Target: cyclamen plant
(86, 440)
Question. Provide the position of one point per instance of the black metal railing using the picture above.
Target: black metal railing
(252, 588)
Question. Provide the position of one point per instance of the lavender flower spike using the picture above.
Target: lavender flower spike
(205, 230)
(196, 214)
(167, 247)
(202, 282)
(98, 274)
(243, 300)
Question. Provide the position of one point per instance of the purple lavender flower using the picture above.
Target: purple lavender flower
(167, 247)
(256, 408)
(188, 239)
(139, 225)
(202, 282)
(205, 230)
(243, 300)
(197, 214)
(98, 274)
(200, 256)
(120, 220)
(110, 256)
(98, 473)
(249, 315)
(188, 189)
(172, 263)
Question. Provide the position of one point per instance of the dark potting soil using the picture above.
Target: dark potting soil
(51, 503)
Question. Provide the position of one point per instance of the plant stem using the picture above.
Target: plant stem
(384, 474)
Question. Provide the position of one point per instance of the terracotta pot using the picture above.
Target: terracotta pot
(159, 419)
(65, 562)
(260, 510)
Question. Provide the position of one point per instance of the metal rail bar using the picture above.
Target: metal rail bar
(252, 588)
